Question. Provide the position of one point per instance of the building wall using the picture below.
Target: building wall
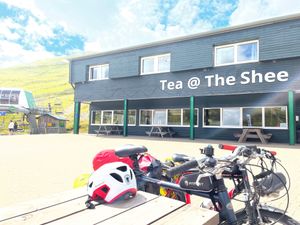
(156, 85)
(254, 100)
(197, 52)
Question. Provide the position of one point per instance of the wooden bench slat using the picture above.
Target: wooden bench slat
(103, 212)
(26, 210)
(189, 214)
(146, 213)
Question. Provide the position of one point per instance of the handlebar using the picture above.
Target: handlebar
(246, 151)
(182, 168)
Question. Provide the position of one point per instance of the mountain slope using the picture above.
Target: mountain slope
(49, 83)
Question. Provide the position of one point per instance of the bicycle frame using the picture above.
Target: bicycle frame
(217, 195)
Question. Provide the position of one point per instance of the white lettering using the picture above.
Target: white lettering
(230, 80)
(219, 80)
(258, 75)
(282, 76)
(171, 85)
(163, 82)
(209, 80)
(270, 77)
(178, 85)
(245, 79)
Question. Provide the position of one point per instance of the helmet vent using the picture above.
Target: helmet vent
(91, 184)
(122, 168)
(105, 189)
(117, 177)
(131, 174)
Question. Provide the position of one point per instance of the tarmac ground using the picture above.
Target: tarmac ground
(34, 166)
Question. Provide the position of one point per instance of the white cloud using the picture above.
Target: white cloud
(6, 27)
(248, 11)
(12, 54)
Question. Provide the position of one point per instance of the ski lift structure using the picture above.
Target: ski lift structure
(15, 101)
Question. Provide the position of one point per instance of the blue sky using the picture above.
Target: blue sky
(31, 30)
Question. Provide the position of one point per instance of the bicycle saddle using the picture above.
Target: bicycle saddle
(180, 158)
(129, 150)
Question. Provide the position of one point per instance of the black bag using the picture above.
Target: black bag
(189, 182)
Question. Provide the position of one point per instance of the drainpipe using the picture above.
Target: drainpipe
(192, 106)
(292, 127)
(76, 117)
(125, 118)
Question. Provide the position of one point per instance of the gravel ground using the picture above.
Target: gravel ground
(33, 166)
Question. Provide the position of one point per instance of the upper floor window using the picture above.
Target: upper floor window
(243, 52)
(99, 72)
(155, 64)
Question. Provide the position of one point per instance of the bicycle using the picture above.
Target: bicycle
(204, 177)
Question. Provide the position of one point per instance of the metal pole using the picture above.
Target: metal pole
(292, 127)
(125, 118)
(192, 106)
(76, 118)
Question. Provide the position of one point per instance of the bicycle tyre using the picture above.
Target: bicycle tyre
(269, 217)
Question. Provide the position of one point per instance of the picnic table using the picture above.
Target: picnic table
(109, 129)
(68, 208)
(254, 133)
(160, 131)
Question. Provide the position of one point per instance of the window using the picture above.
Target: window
(155, 64)
(112, 117)
(231, 117)
(159, 117)
(146, 117)
(252, 117)
(14, 97)
(99, 72)
(212, 117)
(107, 117)
(263, 117)
(276, 117)
(4, 99)
(244, 52)
(174, 117)
(186, 117)
(167, 117)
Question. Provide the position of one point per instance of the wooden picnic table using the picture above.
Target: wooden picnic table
(255, 133)
(68, 208)
(160, 131)
(109, 129)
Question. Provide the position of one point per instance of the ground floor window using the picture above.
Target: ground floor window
(167, 117)
(112, 117)
(235, 117)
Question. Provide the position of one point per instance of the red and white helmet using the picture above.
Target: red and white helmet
(112, 181)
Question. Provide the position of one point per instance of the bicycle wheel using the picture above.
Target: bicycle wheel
(268, 218)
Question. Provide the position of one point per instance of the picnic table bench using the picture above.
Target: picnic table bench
(160, 131)
(68, 208)
(254, 133)
(109, 129)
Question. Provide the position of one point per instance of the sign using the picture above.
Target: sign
(217, 80)
(2, 113)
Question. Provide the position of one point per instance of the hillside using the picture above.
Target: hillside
(49, 83)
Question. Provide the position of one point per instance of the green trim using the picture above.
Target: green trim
(30, 100)
(192, 106)
(76, 118)
(292, 127)
(125, 119)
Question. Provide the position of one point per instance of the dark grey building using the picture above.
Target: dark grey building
(209, 85)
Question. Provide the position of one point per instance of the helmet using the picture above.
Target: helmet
(112, 181)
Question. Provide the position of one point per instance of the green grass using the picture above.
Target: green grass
(48, 81)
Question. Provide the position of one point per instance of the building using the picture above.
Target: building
(209, 85)
(51, 124)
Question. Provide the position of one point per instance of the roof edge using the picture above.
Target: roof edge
(192, 36)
